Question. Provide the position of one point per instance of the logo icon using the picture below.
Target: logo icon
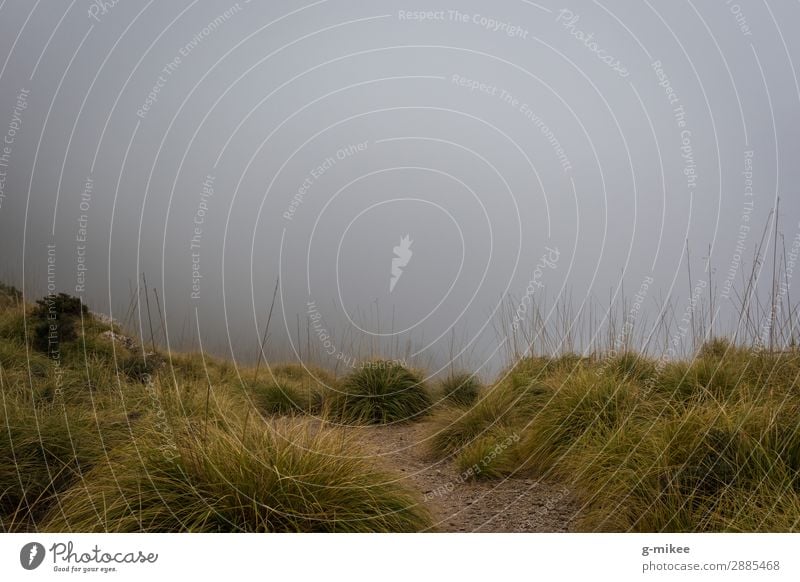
(31, 555)
(402, 257)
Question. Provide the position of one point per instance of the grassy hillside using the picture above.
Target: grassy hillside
(707, 445)
(96, 435)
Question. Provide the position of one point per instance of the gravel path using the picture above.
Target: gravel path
(459, 505)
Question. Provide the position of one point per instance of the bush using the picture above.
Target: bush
(380, 392)
(460, 389)
(62, 304)
(54, 321)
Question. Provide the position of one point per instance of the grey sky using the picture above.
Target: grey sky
(487, 132)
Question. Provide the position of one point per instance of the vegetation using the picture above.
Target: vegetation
(98, 438)
(54, 321)
(291, 389)
(380, 392)
(461, 389)
(707, 445)
(263, 481)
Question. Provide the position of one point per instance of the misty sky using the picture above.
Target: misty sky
(537, 151)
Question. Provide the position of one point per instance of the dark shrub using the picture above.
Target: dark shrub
(55, 319)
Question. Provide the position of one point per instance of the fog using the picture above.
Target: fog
(403, 171)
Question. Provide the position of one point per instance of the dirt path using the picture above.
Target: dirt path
(458, 505)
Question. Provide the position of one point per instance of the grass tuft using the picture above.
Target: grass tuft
(292, 480)
(380, 392)
(461, 389)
